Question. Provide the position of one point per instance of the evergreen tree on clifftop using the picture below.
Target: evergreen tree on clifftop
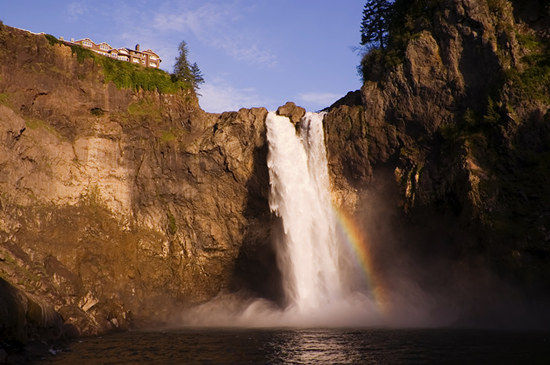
(375, 24)
(186, 72)
(196, 73)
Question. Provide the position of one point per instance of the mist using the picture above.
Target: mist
(415, 277)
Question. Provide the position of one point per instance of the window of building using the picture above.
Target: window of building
(86, 44)
(104, 47)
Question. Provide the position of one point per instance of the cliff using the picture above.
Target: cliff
(120, 199)
(450, 141)
(117, 203)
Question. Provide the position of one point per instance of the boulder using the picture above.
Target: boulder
(293, 112)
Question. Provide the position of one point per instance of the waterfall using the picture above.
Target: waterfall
(299, 195)
(311, 250)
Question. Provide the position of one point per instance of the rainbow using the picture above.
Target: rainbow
(357, 240)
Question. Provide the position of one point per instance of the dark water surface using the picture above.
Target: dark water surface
(310, 346)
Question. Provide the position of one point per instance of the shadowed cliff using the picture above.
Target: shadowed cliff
(454, 120)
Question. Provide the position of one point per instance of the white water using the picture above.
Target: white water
(309, 251)
(299, 194)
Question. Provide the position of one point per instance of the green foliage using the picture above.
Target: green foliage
(34, 123)
(81, 52)
(534, 79)
(4, 98)
(405, 20)
(52, 39)
(127, 75)
(374, 62)
(528, 41)
(492, 115)
(168, 136)
(184, 71)
(374, 26)
(410, 17)
(474, 125)
(145, 108)
(197, 75)
(470, 118)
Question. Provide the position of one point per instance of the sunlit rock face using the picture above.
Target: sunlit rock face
(290, 110)
(117, 205)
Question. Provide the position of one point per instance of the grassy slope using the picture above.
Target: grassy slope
(128, 75)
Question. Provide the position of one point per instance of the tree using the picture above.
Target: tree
(375, 24)
(184, 71)
(181, 67)
(196, 75)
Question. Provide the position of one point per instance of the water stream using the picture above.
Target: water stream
(310, 248)
(299, 194)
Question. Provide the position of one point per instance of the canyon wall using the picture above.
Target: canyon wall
(118, 204)
(449, 139)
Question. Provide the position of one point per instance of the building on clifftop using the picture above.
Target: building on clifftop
(146, 58)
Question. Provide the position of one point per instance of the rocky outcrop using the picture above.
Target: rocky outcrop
(455, 129)
(117, 205)
(23, 318)
(291, 111)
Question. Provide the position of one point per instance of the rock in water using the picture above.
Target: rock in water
(293, 112)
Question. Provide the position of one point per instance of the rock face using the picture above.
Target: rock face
(119, 205)
(293, 112)
(115, 204)
(456, 131)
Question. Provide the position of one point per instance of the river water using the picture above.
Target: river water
(310, 346)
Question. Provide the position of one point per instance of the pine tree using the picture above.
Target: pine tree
(186, 72)
(197, 75)
(374, 27)
(182, 70)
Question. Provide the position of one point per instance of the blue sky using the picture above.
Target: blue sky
(251, 52)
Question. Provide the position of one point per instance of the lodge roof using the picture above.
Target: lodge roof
(148, 51)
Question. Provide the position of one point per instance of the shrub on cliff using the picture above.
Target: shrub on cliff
(127, 75)
(52, 39)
